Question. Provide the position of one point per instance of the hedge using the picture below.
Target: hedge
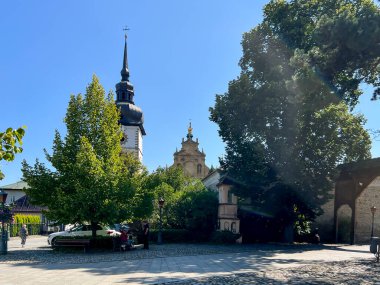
(225, 237)
(178, 236)
(33, 224)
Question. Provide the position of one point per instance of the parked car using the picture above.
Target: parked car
(118, 227)
(82, 230)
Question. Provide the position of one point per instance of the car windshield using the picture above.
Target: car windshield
(88, 228)
(76, 228)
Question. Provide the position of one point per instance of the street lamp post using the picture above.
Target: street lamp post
(373, 211)
(4, 238)
(161, 202)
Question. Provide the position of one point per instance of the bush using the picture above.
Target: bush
(177, 236)
(225, 237)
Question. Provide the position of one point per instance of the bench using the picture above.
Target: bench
(85, 243)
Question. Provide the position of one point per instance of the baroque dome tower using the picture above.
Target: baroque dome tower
(190, 158)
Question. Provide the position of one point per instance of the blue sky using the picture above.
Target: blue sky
(180, 53)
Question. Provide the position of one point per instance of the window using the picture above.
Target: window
(229, 197)
(226, 226)
(233, 227)
(199, 169)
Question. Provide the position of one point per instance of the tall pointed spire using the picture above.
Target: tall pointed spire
(125, 72)
(131, 115)
(124, 89)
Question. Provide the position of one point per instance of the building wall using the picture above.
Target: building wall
(13, 195)
(133, 141)
(227, 210)
(212, 180)
(363, 222)
(363, 217)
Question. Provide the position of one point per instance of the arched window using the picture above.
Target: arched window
(226, 226)
(233, 227)
(199, 168)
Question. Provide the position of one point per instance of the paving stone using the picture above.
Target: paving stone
(191, 264)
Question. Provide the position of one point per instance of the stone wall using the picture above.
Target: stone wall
(363, 223)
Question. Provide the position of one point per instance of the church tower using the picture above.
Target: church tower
(131, 119)
(190, 158)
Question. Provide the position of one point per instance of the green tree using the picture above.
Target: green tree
(10, 144)
(92, 181)
(188, 204)
(196, 210)
(339, 39)
(282, 119)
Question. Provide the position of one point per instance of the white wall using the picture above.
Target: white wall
(133, 140)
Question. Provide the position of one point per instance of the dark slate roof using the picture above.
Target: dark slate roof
(131, 115)
(23, 205)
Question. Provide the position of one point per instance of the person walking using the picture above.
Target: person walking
(23, 234)
(146, 234)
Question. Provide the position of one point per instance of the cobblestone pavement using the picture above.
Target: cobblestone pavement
(343, 272)
(190, 264)
(37, 251)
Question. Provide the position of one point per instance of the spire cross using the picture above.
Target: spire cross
(126, 29)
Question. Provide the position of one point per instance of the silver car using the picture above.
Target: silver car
(82, 230)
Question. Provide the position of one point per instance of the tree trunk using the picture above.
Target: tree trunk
(93, 228)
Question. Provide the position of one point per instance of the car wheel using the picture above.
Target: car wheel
(53, 242)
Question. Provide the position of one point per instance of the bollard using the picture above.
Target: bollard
(374, 247)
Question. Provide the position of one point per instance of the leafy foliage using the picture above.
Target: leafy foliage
(6, 214)
(339, 39)
(10, 144)
(26, 219)
(92, 181)
(284, 120)
(188, 204)
(32, 222)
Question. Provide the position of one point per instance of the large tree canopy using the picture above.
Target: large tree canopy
(284, 119)
(91, 181)
(10, 144)
(338, 39)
